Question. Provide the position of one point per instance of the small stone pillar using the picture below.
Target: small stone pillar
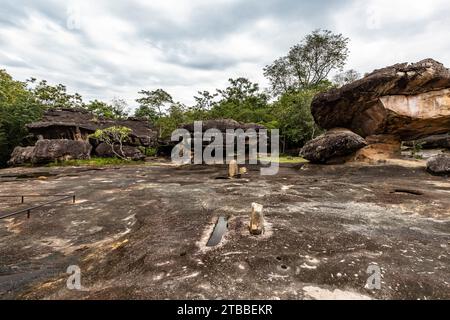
(233, 169)
(256, 225)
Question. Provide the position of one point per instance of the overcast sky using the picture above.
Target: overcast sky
(105, 49)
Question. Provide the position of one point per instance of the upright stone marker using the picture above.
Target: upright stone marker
(256, 219)
(233, 169)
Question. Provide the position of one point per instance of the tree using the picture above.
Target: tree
(349, 76)
(113, 136)
(54, 96)
(243, 101)
(292, 112)
(151, 105)
(18, 106)
(308, 63)
(119, 108)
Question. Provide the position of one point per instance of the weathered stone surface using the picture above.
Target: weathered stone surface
(408, 100)
(379, 148)
(333, 145)
(77, 124)
(60, 149)
(223, 125)
(105, 151)
(21, 155)
(431, 142)
(439, 164)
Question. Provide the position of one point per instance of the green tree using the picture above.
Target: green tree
(242, 101)
(113, 136)
(343, 78)
(309, 62)
(151, 105)
(54, 96)
(18, 106)
(292, 112)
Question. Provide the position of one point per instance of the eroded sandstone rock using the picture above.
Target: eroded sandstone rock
(407, 100)
(333, 146)
(439, 165)
(431, 142)
(60, 149)
(21, 155)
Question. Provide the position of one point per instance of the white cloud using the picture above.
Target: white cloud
(105, 49)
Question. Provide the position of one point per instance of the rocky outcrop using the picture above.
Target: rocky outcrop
(46, 151)
(335, 146)
(410, 101)
(431, 142)
(439, 165)
(223, 125)
(78, 124)
(60, 149)
(379, 148)
(105, 151)
(21, 155)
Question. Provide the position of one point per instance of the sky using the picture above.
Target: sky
(107, 49)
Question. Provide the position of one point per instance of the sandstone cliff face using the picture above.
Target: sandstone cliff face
(407, 100)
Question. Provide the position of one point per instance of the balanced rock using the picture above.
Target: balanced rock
(333, 146)
(440, 164)
(60, 149)
(408, 100)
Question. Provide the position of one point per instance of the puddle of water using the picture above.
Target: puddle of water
(218, 232)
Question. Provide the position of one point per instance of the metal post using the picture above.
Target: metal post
(28, 214)
(23, 199)
(73, 198)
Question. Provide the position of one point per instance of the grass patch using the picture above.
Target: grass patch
(94, 162)
(285, 159)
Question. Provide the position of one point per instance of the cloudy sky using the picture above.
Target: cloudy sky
(105, 49)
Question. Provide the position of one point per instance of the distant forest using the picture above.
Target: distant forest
(294, 81)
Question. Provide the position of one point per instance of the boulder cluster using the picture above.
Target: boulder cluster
(64, 134)
(371, 119)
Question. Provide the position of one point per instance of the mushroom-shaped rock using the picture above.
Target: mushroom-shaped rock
(407, 100)
(332, 146)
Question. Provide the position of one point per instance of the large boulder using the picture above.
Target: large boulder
(21, 155)
(440, 164)
(431, 142)
(105, 151)
(60, 149)
(407, 100)
(333, 147)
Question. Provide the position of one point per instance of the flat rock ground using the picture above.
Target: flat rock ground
(140, 232)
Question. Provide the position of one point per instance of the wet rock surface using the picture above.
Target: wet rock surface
(407, 100)
(332, 146)
(141, 232)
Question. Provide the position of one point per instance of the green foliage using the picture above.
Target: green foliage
(148, 152)
(94, 162)
(416, 148)
(293, 116)
(18, 106)
(113, 136)
(308, 63)
(54, 96)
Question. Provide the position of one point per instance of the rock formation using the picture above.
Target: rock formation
(60, 149)
(431, 142)
(333, 147)
(439, 165)
(403, 102)
(407, 100)
(64, 134)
